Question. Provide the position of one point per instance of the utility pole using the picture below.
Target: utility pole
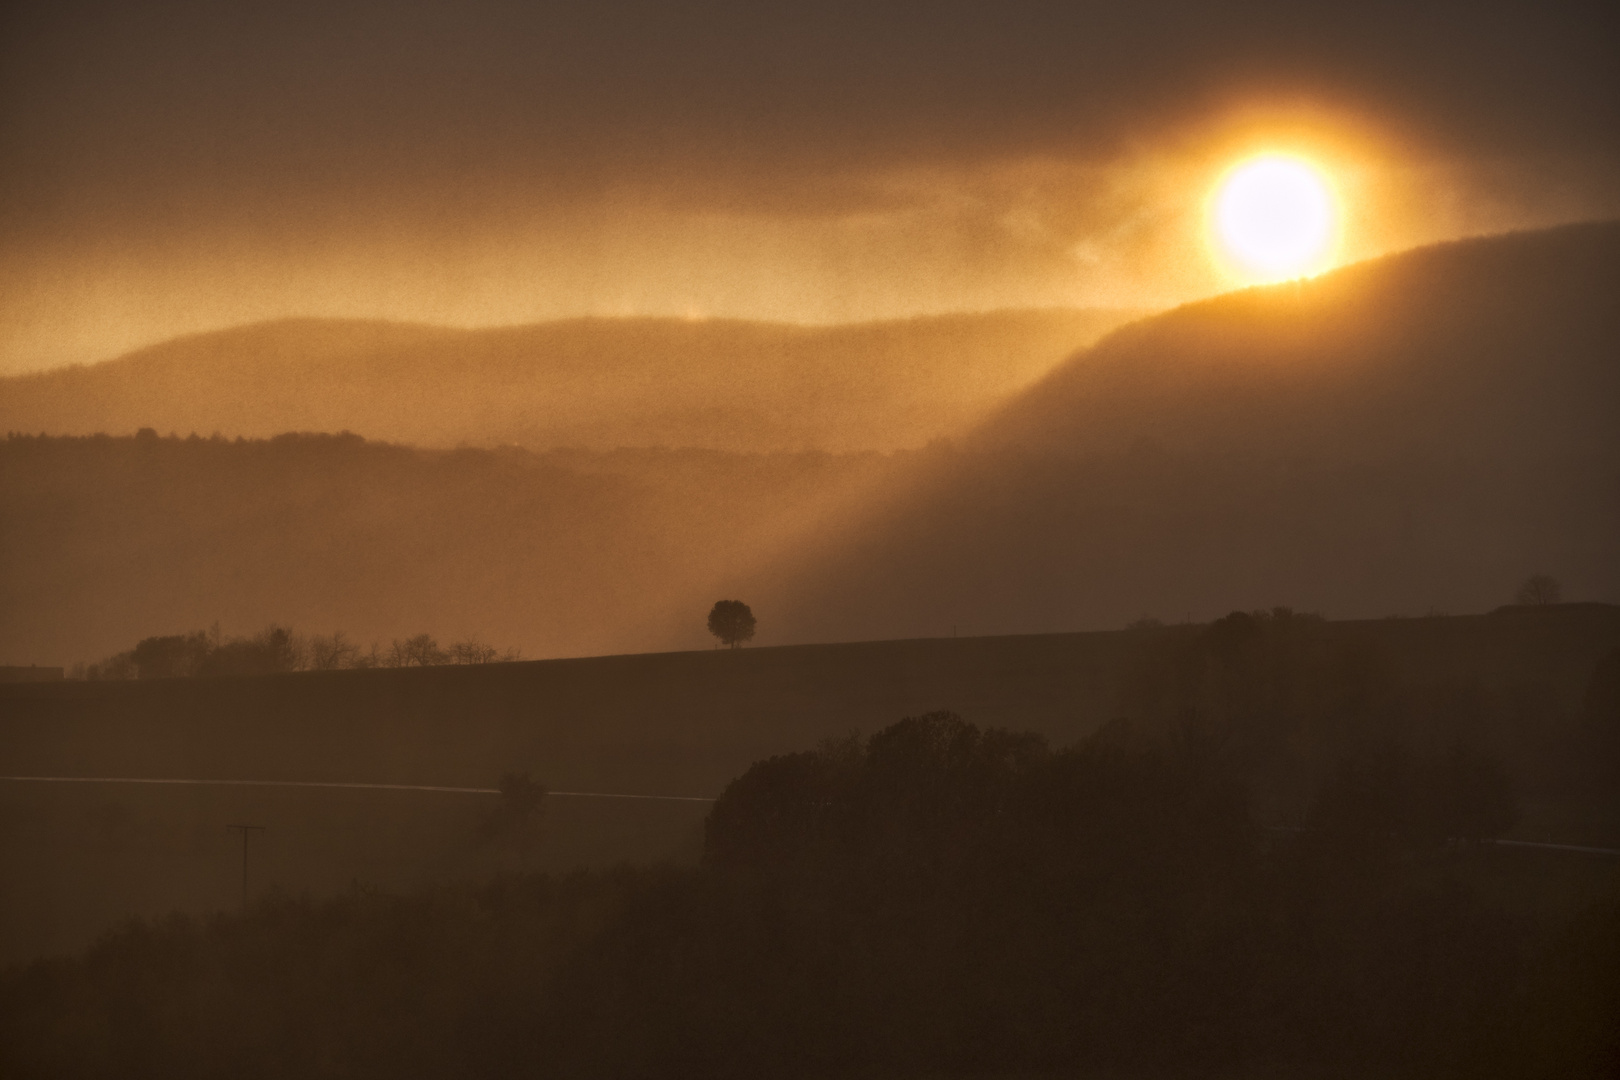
(245, 830)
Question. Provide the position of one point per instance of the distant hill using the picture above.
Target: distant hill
(1499, 348)
(591, 383)
(1418, 432)
(107, 540)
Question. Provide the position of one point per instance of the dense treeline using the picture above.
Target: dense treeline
(277, 649)
(934, 899)
(1315, 724)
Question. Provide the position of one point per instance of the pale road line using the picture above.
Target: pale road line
(332, 784)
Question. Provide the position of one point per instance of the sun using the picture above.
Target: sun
(1275, 217)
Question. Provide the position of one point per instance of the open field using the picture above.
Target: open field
(83, 856)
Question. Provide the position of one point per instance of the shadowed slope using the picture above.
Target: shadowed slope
(1500, 347)
(596, 383)
(1423, 431)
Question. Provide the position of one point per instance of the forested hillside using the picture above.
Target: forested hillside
(593, 383)
(1417, 433)
(108, 541)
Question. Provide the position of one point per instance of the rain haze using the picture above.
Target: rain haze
(882, 540)
(179, 167)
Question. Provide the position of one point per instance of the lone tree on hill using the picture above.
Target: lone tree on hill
(1539, 590)
(731, 622)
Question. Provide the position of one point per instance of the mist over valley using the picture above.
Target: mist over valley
(1435, 427)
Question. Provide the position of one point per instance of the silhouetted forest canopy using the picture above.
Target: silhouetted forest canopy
(935, 899)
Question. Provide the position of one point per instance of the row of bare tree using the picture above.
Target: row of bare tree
(337, 651)
(279, 648)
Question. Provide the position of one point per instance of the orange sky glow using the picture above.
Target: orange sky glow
(252, 169)
(1034, 233)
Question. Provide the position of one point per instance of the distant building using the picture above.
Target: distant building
(31, 673)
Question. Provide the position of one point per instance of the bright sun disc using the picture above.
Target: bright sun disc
(1275, 218)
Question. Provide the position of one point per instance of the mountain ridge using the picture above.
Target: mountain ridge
(1421, 432)
(1187, 505)
(1504, 292)
(596, 383)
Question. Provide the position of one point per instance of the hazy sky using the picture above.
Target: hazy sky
(170, 167)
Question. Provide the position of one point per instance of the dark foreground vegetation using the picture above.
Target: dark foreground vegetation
(1282, 702)
(934, 899)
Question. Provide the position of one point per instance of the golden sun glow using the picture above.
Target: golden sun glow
(1275, 217)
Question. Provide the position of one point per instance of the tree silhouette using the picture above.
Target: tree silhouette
(731, 622)
(337, 651)
(276, 648)
(170, 657)
(1538, 590)
(521, 804)
(419, 651)
(472, 651)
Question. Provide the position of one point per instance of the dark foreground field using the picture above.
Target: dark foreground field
(939, 899)
(81, 857)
